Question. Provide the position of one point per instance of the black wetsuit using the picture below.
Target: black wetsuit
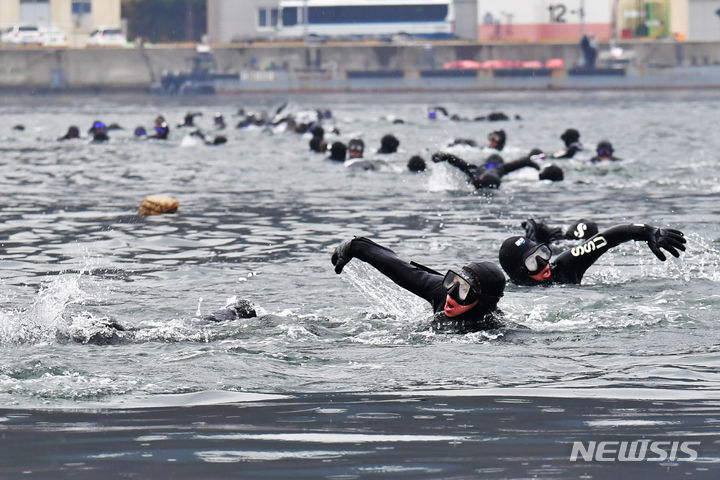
(426, 284)
(483, 176)
(570, 266)
(570, 150)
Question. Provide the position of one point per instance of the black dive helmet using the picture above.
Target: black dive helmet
(486, 282)
(521, 257)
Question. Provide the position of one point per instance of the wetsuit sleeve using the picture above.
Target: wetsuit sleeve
(570, 266)
(460, 164)
(415, 280)
(569, 152)
(509, 167)
(472, 171)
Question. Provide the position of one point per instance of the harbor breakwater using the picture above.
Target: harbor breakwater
(361, 66)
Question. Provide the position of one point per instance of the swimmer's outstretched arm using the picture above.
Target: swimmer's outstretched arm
(572, 264)
(413, 279)
(455, 161)
(509, 167)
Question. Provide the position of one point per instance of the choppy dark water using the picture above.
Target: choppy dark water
(259, 218)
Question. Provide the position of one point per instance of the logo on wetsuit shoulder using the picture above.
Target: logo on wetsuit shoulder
(595, 243)
(520, 241)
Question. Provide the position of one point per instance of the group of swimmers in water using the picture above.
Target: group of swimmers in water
(99, 131)
(465, 299)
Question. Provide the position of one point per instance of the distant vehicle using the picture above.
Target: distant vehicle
(366, 18)
(107, 37)
(52, 37)
(21, 35)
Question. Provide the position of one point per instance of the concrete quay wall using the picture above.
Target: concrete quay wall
(138, 68)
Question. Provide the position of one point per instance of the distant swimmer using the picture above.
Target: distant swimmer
(318, 145)
(571, 138)
(541, 233)
(140, 132)
(238, 309)
(468, 142)
(434, 111)
(416, 164)
(489, 175)
(211, 141)
(112, 332)
(497, 139)
(162, 129)
(530, 263)
(72, 133)
(252, 119)
(389, 144)
(219, 121)
(317, 131)
(551, 172)
(493, 117)
(189, 120)
(463, 300)
(19, 128)
(604, 152)
(338, 152)
(356, 148)
(99, 132)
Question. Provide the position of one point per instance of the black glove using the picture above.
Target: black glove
(439, 157)
(541, 233)
(667, 238)
(342, 255)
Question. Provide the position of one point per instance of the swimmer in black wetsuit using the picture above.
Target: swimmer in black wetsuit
(604, 152)
(162, 129)
(338, 152)
(356, 148)
(389, 144)
(489, 175)
(219, 121)
(497, 139)
(416, 164)
(571, 137)
(463, 301)
(189, 120)
(529, 263)
(72, 134)
(99, 132)
(217, 140)
(110, 332)
(318, 145)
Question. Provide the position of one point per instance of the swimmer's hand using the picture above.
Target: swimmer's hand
(342, 255)
(667, 238)
(539, 232)
(442, 157)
